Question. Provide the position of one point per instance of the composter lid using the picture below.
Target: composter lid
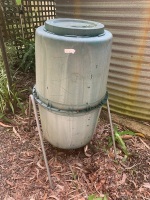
(78, 27)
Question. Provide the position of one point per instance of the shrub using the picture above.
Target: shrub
(28, 61)
(9, 98)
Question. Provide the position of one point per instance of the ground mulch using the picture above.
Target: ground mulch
(76, 174)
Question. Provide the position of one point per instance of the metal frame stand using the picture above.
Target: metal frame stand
(112, 130)
(32, 101)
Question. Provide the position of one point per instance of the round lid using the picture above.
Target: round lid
(78, 27)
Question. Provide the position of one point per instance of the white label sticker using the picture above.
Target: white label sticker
(70, 51)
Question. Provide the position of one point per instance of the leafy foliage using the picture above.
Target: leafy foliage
(28, 61)
(18, 2)
(9, 98)
(119, 139)
(11, 54)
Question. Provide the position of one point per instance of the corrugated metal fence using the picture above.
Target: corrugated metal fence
(129, 21)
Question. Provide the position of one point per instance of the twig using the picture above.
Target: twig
(96, 189)
(144, 143)
(54, 197)
(5, 125)
(128, 167)
(16, 133)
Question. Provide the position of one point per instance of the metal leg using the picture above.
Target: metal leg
(31, 100)
(112, 130)
(29, 113)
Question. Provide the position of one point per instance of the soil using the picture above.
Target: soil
(76, 174)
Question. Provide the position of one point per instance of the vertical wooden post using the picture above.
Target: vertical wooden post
(4, 56)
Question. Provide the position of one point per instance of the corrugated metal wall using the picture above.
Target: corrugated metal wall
(129, 21)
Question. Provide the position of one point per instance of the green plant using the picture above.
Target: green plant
(18, 2)
(11, 54)
(93, 197)
(10, 99)
(28, 60)
(118, 138)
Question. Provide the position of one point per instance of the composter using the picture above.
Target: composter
(72, 64)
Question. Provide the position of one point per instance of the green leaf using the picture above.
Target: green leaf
(121, 143)
(1, 115)
(11, 106)
(105, 198)
(127, 132)
(18, 2)
(115, 129)
(91, 197)
(110, 142)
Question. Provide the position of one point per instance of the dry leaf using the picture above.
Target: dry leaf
(9, 198)
(123, 179)
(5, 125)
(16, 133)
(79, 164)
(45, 196)
(85, 151)
(39, 165)
(32, 198)
(54, 197)
(140, 134)
(146, 185)
(126, 137)
(9, 183)
(146, 145)
(37, 174)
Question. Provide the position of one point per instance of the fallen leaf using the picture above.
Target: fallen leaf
(126, 137)
(39, 165)
(5, 125)
(79, 164)
(85, 151)
(9, 198)
(146, 145)
(146, 185)
(123, 179)
(32, 198)
(9, 183)
(54, 197)
(140, 134)
(37, 174)
(16, 133)
(45, 196)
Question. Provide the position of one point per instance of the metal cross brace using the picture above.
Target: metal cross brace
(32, 101)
